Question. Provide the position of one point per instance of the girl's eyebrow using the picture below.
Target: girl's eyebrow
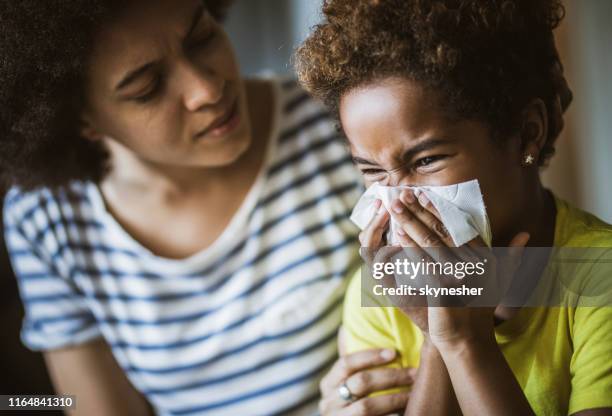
(409, 154)
(422, 146)
(361, 161)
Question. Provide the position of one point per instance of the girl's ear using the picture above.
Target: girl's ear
(534, 131)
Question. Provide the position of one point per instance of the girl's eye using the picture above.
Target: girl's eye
(428, 160)
(371, 171)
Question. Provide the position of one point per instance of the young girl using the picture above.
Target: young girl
(180, 236)
(436, 93)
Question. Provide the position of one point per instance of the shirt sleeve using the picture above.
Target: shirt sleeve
(365, 327)
(591, 363)
(369, 327)
(56, 312)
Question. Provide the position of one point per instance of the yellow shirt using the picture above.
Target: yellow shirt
(561, 356)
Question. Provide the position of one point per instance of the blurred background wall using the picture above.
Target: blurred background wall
(582, 169)
(265, 32)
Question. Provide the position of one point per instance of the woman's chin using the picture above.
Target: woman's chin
(225, 155)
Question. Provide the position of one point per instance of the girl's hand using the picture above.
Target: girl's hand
(361, 373)
(372, 237)
(422, 229)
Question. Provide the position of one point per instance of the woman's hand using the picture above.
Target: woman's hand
(362, 374)
(421, 229)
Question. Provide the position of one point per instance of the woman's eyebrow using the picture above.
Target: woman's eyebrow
(133, 75)
(197, 16)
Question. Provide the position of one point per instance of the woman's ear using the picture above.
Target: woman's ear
(534, 131)
(87, 130)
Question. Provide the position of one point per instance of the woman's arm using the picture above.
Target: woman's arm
(91, 374)
(432, 392)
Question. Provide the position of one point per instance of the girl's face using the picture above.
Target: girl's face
(163, 83)
(399, 135)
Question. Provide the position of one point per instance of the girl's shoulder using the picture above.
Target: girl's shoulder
(578, 228)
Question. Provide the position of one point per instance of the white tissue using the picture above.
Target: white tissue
(461, 208)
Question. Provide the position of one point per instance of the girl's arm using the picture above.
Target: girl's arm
(482, 380)
(91, 374)
(432, 392)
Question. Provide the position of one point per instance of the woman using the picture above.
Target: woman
(180, 236)
(437, 93)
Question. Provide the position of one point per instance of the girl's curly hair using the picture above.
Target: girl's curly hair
(487, 58)
(44, 48)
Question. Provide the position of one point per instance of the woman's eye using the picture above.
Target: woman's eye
(204, 39)
(150, 92)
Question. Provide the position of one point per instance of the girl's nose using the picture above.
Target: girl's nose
(400, 178)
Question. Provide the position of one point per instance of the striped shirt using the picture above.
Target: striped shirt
(245, 327)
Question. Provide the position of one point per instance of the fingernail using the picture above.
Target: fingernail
(387, 354)
(401, 232)
(398, 206)
(423, 200)
(408, 196)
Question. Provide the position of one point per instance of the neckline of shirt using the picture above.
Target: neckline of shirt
(235, 226)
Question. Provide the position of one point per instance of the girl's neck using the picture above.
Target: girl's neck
(535, 214)
(539, 218)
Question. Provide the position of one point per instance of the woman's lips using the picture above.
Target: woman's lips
(223, 125)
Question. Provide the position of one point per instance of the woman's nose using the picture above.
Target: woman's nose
(201, 87)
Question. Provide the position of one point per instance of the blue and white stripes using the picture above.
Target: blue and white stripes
(247, 326)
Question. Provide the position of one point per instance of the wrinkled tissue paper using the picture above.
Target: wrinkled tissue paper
(461, 208)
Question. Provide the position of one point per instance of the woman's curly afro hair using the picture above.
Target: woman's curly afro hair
(486, 58)
(44, 48)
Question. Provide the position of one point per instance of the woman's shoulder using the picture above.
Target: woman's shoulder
(309, 155)
(38, 208)
(296, 108)
(578, 228)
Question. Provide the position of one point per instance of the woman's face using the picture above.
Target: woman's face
(163, 82)
(399, 135)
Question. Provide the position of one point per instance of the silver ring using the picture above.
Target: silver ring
(345, 393)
